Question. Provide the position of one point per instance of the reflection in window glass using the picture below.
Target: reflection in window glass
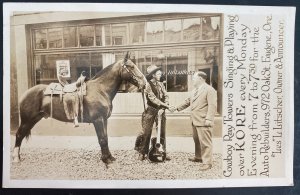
(107, 35)
(191, 29)
(70, 37)
(40, 39)
(119, 34)
(55, 37)
(172, 31)
(45, 66)
(86, 36)
(208, 57)
(177, 70)
(205, 55)
(146, 58)
(174, 64)
(155, 32)
(137, 33)
(99, 35)
(210, 28)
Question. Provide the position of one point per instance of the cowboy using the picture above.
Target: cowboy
(203, 103)
(157, 99)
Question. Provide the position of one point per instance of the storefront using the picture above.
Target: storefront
(179, 43)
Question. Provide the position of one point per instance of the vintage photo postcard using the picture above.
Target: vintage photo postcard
(147, 95)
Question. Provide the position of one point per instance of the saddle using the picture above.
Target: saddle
(77, 88)
(57, 89)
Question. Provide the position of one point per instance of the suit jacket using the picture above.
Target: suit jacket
(203, 106)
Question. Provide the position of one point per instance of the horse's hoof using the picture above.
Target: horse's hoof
(107, 161)
(16, 160)
(112, 158)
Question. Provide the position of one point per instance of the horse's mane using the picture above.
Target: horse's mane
(103, 71)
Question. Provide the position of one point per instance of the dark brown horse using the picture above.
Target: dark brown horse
(97, 104)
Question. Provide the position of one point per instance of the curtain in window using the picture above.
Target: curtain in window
(108, 59)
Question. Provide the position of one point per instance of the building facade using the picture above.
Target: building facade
(179, 43)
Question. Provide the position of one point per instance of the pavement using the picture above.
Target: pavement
(178, 144)
(120, 125)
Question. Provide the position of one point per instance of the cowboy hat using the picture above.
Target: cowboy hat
(151, 70)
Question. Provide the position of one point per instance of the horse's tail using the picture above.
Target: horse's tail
(30, 106)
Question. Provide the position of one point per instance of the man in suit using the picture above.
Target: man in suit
(203, 103)
(157, 98)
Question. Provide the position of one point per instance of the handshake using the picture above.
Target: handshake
(169, 107)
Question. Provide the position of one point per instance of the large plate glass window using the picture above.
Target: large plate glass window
(96, 63)
(177, 70)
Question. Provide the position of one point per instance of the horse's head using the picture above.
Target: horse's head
(132, 74)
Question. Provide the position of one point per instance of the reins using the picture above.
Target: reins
(135, 78)
(143, 96)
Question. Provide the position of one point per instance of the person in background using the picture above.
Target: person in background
(157, 98)
(203, 103)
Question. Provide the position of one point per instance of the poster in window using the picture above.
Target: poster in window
(63, 68)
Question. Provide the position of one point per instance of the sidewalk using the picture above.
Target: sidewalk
(178, 144)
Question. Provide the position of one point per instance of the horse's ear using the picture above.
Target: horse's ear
(127, 56)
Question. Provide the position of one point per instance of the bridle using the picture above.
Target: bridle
(132, 75)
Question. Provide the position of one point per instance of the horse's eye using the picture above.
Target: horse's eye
(130, 66)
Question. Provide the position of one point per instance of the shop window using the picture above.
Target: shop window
(45, 66)
(155, 32)
(86, 36)
(208, 57)
(55, 37)
(80, 63)
(96, 63)
(172, 31)
(210, 28)
(177, 70)
(137, 33)
(191, 29)
(45, 69)
(98, 30)
(119, 34)
(40, 38)
(70, 37)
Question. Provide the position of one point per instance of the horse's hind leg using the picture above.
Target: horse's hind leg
(23, 131)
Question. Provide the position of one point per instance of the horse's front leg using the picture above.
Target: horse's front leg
(101, 132)
(111, 158)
